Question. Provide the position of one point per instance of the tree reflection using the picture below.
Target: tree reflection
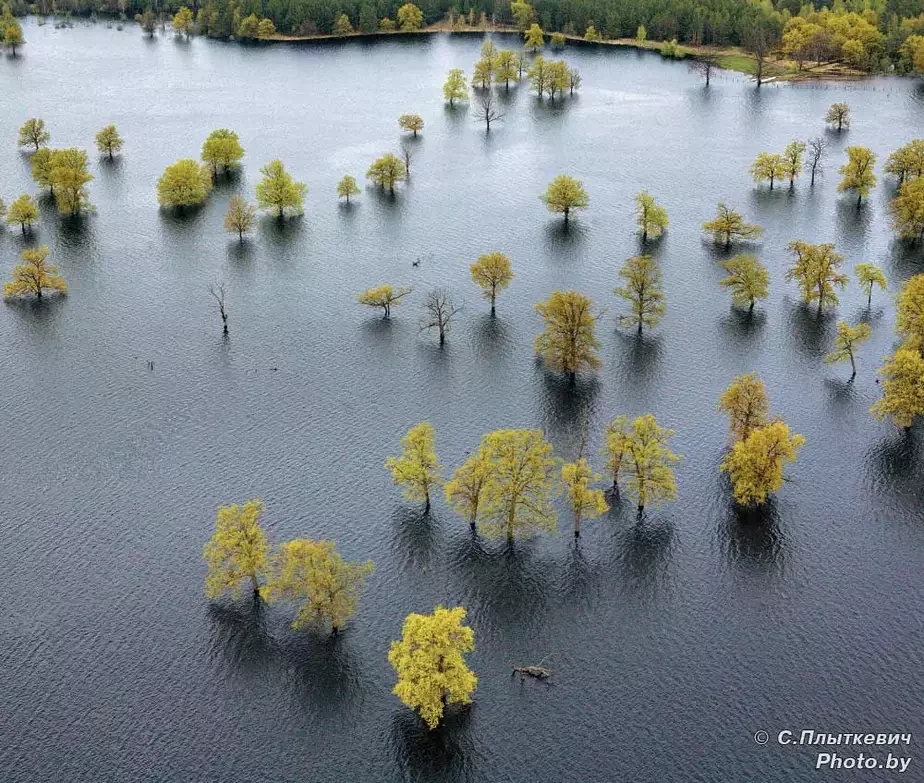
(752, 538)
(240, 634)
(567, 408)
(423, 754)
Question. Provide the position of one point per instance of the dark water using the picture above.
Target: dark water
(672, 641)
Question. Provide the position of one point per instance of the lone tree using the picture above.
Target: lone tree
(909, 315)
(69, 173)
(902, 389)
(108, 141)
(184, 184)
(729, 226)
(755, 465)
(455, 87)
(858, 172)
(704, 65)
(222, 151)
(12, 35)
(23, 212)
(650, 216)
(845, 343)
(148, 22)
(518, 493)
(411, 122)
(745, 401)
(748, 280)
(816, 269)
(417, 470)
(585, 501)
(439, 310)
(907, 210)
(347, 187)
(410, 18)
(279, 191)
(869, 275)
(792, 160)
(567, 343)
(241, 217)
(574, 80)
(386, 171)
(817, 150)
(487, 109)
(492, 273)
(33, 134)
(385, 296)
(649, 463)
(768, 166)
(643, 292)
(313, 574)
(237, 552)
(430, 665)
(182, 21)
(615, 446)
(34, 276)
(465, 490)
(534, 38)
(565, 194)
(218, 294)
(839, 115)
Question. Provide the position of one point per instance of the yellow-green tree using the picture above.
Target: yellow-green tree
(387, 170)
(387, 25)
(912, 51)
(567, 343)
(34, 275)
(266, 29)
(792, 160)
(343, 26)
(591, 33)
(729, 226)
(23, 212)
(41, 168)
(417, 470)
(768, 166)
(748, 280)
(585, 501)
(641, 34)
(745, 402)
(465, 489)
(615, 446)
(12, 36)
(755, 465)
(839, 115)
(384, 296)
(559, 78)
(430, 665)
(650, 462)
(314, 574)
(643, 291)
(534, 38)
(182, 21)
(347, 187)
(455, 88)
(248, 27)
(517, 494)
(410, 17)
(907, 161)
(869, 275)
(539, 75)
(845, 344)
(185, 183)
(523, 14)
(222, 151)
(505, 67)
(565, 194)
(557, 40)
(907, 210)
(909, 315)
(411, 122)
(238, 551)
(278, 190)
(858, 172)
(483, 73)
(903, 388)
(817, 270)
(241, 217)
(108, 141)
(69, 177)
(650, 216)
(34, 134)
(492, 273)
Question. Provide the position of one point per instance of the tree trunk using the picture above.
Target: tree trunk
(859, 200)
(427, 506)
(255, 583)
(813, 176)
(853, 366)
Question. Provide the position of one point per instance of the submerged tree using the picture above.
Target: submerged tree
(487, 110)
(792, 160)
(650, 216)
(748, 280)
(755, 465)
(534, 38)
(816, 269)
(34, 134)
(465, 490)
(729, 226)
(506, 68)
(847, 339)
(650, 462)
(185, 183)
(615, 446)
(585, 501)
(278, 190)
(429, 663)
(839, 115)
(565, 194)
(12, 36)
(768, 166)
(238, 550)
(386, 171)
(817, 150)
(909, 315)
(492, 273)
(183, 21)
(411, 122)
(455, 88)
(643, 292)
(907, 210)
(222, 151)
(218, 294)
(23, 212)
(902, 389)
(69, 173)
(385, 296)
(108, 141)
(704, 65)
(907, 161)
(869, 275)
(315, 575)
(858, 172)
(241, 217)
(568, 343)
(347, 187)
(439, 310)
(417, 470)
(41, 168)
(745, 401)
(34, 276)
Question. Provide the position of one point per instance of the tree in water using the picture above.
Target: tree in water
(34, 134)
(643, 292)
(222, 151)
(729, 226)
(430, 665)
(464, 492)
(385, 296)
(817, 150)
(241, 217)
(649, 463)
(347, 187)
(838, 115)
(23, 212)
(34, 275)
(492, 273)
(534, 38)
(745, 402)
(183, 21)
(585, 501)
(386, 171)
(568, 343)
(439, 310)
(845, 344)
(455, 88)
(237, 552)
(505, 68)
(755, 465)
(314, 574)
(816, 269)
(186, 183)
(218, 294)
(909, 315)
(487, 111)
(411, 122)
(565, 194)
(748, 280)
(279, 191)
(650, 216)
(792, 160)
(69, 177)
(869, 275)
(417, 470)
(907, 210)
(768, 166)
(858, 172)
(615, 446)
(903, 388)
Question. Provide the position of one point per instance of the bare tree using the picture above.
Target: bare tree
(439, 310)
(817, 149)
(218, 291)
(574, 79)
(407, 156)
(704, 65)
(487, 111)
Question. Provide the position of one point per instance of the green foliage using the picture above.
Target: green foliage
(222, 150)
(22, 212)
(523, 14)
(534, 38)
(858, 172)
(557, 40)
(649, 463)
(33, 134)
(641, 34)
(343, 26)
(902, 388)
(347, 187)
(182, 21)
(907, 210)
(411, 122)
(465, 490)
(108, 141)
(492, 273)
(387, 25)
(11, 34)
(506, 68)
(615, 446)
(266, 29)
(34, 276)
(748, 280)
(838, 115)
(729, 226)
(279, 191)
(238, 550)
(417, 470)
(672, 50)
(816, 269)
(909, 315)
(248, 27)
(591, 33)
(385, 296)
(768, 166)
(568, 343)
(585, 501)
(455, 87)
(869, 275)
(410, 17)
(792, 160)
(69, 174)
(845, 343)
(906, 161)
(565, 194)
(41, 167)
(241, 217)
(368, 21)
(650, 216)
(643, 291)
(387, 170)
(185, 183)
(755, 465)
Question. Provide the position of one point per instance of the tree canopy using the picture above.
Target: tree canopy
(279, 191)
(568, 343)
(222, 151)
(238, 551)
(755, 465)
(565, 194)
(185, 183)
(417, 469)
(34, 276)
(642, 290)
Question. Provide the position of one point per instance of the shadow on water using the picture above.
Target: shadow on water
(853, 223)
(281, 234)
(751, 538)
(811, 330)
(743, 329)
(111, 167)
(239, 634)
(456, 116)
(567, 407)
(644, 548)
(561, 237)
(639, 356)
(227, 180)
(241, 253)
(905, 259)
(895, 465)
(491, 338)
(841, 392)
(446, 753)
(181, 222)
(415, 536)
(378, 332)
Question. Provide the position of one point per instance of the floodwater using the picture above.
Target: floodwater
(672, 640)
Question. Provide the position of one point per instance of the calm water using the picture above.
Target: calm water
(672, 641)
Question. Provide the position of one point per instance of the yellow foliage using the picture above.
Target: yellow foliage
(848, 338)
(185, 183)
(222, 150)
(417, 469)
(768, 166)
(755, 465)
(69, 175)
(858, 172)
(466, 488)
(237, 551)
(585, 501)
(492, 273)
(902, 389)
(385, 296)
(564, 194)
(278, 190)
(869, 275)
(410, 17)
(650, 463)
(347, 187)
(455, 88)
(745, 401)
(748, 280)
(568, 344)
(817, 271)
(838, 114)
(616, 444)
(33, 134)
(241, 217)
(505, 67)
(534, 38)
(109, 141)
(650, 216)
(729, 225)
(387, 170)
(643, 292)
(411, 122)
(34, 275)
(909, 315)
(907, 210)
(23, 212)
